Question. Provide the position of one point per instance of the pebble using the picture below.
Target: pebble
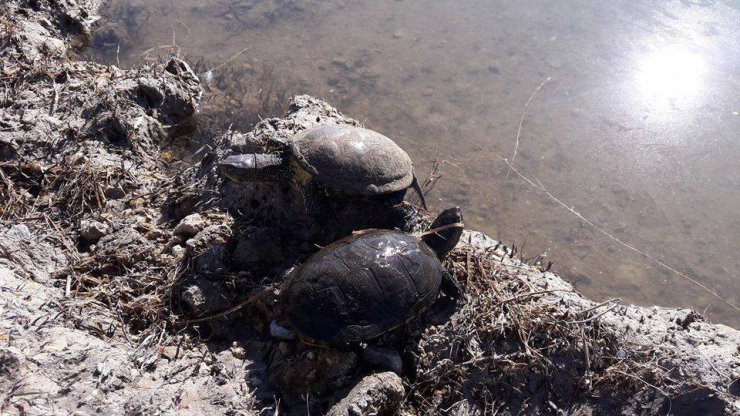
(178, 251)
(190, 225)
(93, 230)
(21, 232)
(238, 351)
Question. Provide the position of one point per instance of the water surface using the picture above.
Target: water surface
(636, 126)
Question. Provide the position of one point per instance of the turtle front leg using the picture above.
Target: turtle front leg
(450, 287)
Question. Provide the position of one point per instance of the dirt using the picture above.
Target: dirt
(116, 298)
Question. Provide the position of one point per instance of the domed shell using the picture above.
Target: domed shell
(353, 160)
(361, 287)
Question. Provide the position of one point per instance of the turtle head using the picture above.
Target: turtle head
(254, 167)
(445, 232)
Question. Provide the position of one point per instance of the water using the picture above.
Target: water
(636, 126)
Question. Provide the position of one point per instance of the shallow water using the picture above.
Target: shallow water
(636, 126)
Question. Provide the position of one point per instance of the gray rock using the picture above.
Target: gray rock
(190, 225)
(10, 361)
(211, 235)
(126, 245)
(93, 230)
(375, 394)
(203, 296)
(20, 232)
(178, 250)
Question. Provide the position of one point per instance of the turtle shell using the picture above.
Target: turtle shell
(361, 287)
(352, 160)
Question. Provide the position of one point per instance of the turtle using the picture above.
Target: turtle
(369, 283)
(340, 158)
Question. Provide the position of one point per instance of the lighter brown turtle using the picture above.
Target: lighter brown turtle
(343, 159)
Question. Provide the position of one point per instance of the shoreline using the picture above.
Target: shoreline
(92, 259)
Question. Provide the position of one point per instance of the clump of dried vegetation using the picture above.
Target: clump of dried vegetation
(512, 346)
(240, 95)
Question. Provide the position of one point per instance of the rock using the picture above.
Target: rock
(126, 246)
(27, 255)
(93, 230)
(190, 225)
(238, 351)
(21, 232)
(375, 394)
(210, 260)
(203, 296)
(178, 251)
(318, 370)
(10, 361)
(213, 234)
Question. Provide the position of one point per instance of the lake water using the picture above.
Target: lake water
(634, 126)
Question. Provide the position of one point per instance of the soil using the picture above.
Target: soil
(133, 284)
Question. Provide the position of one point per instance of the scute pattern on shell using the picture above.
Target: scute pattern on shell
(361, 287)
(353, 160)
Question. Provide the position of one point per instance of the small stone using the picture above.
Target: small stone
(178, 251)
(127, 246)
(190, 225)
(340, 62)
(93, 230)
(21, 232)
(10, 360)
(238, 351)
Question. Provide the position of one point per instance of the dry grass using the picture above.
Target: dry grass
(515, 346)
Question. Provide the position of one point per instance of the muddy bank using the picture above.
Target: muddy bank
(132, 286)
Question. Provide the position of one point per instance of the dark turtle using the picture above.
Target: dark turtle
(343, 159)
(369, 283)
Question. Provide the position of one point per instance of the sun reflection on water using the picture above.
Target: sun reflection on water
(670, 76)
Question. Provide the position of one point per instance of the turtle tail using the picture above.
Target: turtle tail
(417, 188)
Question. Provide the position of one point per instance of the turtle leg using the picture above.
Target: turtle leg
(451, 287)
(451, 293)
